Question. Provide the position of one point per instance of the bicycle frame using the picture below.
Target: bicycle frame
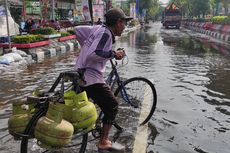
(114, 78)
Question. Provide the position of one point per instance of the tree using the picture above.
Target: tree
(226, 4)
(193, 8)
(217, 6)
(150, 6)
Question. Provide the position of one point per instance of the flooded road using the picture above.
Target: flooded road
(191, 78)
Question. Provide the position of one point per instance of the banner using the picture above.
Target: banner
(85, 10)
(133, 10)
(98, 12)
(12, 25)
(2, 11)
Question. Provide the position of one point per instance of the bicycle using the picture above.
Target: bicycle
(129, 92)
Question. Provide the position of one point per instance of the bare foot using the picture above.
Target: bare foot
(104, 144)
(115, 146)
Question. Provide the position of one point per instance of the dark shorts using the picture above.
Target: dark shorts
(101, 94)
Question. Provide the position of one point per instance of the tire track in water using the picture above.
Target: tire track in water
(140, 142)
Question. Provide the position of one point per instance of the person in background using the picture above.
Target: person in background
(99, 21)
(28, 25)
(54, 24)
(57, 25)
(35, 25)
(96, 49)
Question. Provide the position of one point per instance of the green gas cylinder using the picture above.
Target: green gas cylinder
(52, 130)
(21, 115)
(84, 117)
(79, 111)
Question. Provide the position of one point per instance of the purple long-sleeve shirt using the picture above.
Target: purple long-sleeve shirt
(96, 49)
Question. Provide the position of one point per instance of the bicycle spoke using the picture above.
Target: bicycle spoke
(137, 102)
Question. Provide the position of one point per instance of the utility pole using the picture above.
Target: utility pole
(7, 24)
(90, 3)
(53, 12)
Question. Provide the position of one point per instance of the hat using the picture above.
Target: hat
(116, 13)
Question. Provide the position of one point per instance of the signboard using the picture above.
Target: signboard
(33, 8)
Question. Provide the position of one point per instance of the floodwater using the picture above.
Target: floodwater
(191, 77)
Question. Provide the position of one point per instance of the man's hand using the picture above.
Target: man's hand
(119, 54)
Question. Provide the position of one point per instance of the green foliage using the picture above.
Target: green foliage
(150, 6)
(196, 8)
(63, 34)
(21, 39)
(221, 20)
(134, 22)
(44, 31)
(71, 31)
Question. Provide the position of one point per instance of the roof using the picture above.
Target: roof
(172, 6)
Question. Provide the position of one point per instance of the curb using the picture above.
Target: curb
(41, 54)
(201, 29)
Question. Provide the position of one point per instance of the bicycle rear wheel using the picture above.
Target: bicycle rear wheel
(32, 145)
(138, 99)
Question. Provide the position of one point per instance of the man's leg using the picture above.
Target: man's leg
(104, 139)
(105, 99)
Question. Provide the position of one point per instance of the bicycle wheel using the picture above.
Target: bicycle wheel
(138, 99)
(32, 145)
(28, 143)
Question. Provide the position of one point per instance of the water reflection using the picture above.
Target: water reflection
(140, 40)
(215, 66)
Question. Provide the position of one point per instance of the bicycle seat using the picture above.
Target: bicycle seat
(71, 74)
(75, 76)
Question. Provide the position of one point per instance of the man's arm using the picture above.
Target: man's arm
(99, 45)
(82, 33)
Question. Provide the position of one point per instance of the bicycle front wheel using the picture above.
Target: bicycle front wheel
(138, 99)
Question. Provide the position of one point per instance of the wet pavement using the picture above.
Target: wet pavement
(190, 74)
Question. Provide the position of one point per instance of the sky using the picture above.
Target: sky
(164, 1)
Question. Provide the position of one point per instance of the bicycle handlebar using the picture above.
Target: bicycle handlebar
(114, 64)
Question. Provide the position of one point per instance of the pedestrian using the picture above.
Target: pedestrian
(99, 21)
(96, 49)
(57, 25)
(28, 25)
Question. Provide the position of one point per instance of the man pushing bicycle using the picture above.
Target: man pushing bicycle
(96, 49)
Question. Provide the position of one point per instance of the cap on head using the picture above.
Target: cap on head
(114, 14)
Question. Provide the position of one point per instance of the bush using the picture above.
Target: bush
(221, 20)
(71, 32)
(63, 34)
(27, 39)
(44, 31)
(134, 22)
